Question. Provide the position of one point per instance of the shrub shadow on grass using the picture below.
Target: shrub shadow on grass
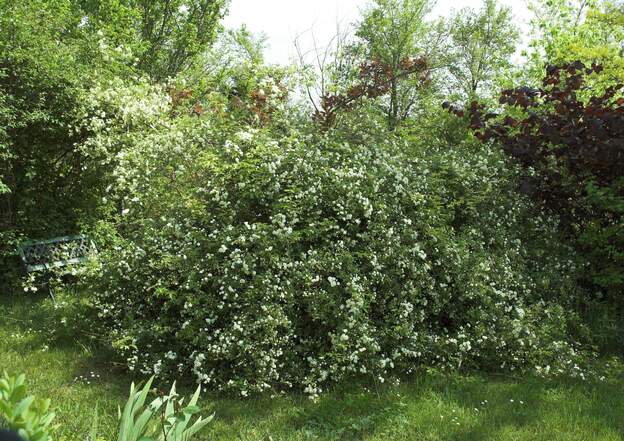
(37, 325)
(348, 411)
(453, 407)
(535, 409)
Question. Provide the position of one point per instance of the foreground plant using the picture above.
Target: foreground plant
(28, 416)
(164, 419)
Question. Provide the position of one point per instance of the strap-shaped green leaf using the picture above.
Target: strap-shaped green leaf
(23, 406)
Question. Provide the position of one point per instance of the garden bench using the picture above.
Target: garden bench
(60, 252)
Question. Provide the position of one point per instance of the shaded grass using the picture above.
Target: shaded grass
(430, 406)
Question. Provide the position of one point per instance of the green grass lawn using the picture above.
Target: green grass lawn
(428, 407)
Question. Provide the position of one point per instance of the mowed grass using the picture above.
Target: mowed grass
(430, 406)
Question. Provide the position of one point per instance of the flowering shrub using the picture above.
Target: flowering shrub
(255, 258)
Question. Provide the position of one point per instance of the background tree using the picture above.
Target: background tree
(585, 30)
(166, 35)
(391, 32)
(481, 45)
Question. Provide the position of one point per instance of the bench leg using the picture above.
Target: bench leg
(50, 289)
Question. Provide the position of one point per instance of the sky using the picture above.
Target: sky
(283, 20)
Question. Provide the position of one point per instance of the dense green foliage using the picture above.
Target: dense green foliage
(591, 31)
(246, 246)
(46, 186)
(165, 36)
(51, 58)
(572, 151)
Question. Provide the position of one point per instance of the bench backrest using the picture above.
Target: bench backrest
(43, 255)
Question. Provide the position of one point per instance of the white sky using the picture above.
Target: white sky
(282, 20)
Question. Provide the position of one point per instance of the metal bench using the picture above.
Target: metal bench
(60, 252)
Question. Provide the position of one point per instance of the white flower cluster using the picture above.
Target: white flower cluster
(253, 260)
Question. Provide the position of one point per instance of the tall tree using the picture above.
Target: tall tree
(165, 34)
(391, 32)
(482, 43)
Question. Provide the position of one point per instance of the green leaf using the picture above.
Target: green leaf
(23, 406)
